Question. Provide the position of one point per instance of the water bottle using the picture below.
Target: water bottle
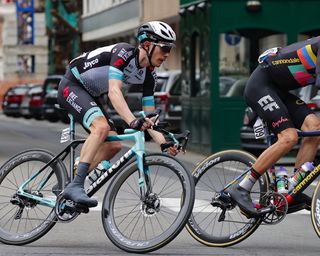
(299, 175)
(99, 170)
(282, 180)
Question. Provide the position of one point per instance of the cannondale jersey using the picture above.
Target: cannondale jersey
(294, 66)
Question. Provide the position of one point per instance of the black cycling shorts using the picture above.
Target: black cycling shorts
(279, 108)
(80, 104)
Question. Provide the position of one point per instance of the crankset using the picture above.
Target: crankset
(67, 210)
(279, 204)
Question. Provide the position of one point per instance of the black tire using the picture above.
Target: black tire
(125, 219)
(36, 220)
(211, 176)
(315, 210)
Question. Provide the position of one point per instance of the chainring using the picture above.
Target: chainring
(280, 203)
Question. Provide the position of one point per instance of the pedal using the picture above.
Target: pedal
(81, 208)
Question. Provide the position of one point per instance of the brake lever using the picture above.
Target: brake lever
(185, 141)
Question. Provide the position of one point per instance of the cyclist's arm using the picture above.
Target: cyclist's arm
(156, 136)
(120, 105)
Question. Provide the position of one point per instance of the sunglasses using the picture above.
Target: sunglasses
(164, 47)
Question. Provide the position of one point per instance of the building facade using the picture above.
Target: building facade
(23, 44)
(108, 22)
(222, 42)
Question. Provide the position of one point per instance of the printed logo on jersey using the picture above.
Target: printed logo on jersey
(124, 54)
(280, 121)
(114, 50)
(90, 63)
(92, 103)
(118, 63)
(66, 92)
(268, 103)
(285, 61)
(71, 100)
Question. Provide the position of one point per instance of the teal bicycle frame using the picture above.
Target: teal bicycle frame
(137, 150)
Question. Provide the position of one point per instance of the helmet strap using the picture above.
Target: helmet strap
(149, 54)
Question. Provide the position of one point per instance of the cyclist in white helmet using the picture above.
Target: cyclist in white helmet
(104, 70)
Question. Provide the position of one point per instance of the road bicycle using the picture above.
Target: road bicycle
(145, 206)
(216, 219)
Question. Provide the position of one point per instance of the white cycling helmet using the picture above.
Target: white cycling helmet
(156, 31)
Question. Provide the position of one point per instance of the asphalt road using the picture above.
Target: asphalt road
(85, 235)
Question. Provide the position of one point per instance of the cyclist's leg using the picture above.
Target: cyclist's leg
(106, 150)
(263, 97)
(85, 110)
(307, 121)
(309, 145)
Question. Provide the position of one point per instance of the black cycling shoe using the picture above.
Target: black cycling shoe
(242, 197)
(76, 193)
(301, 202)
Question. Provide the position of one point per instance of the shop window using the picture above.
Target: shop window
(238, 55)
(233, 64)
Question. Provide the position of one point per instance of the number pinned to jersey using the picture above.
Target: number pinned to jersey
(258, 129)
(265, 54)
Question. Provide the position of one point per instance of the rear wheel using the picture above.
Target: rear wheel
(23, 219)
(211, 176)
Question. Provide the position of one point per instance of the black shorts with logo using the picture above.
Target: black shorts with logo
(80, 104)
(279, 108)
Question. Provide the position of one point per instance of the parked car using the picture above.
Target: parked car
(13, 99)
(36, 103)
(28, 99)
(50, 93)
(248, 142)
(167, 98)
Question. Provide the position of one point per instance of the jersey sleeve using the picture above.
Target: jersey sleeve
(317, 71)
(148, 89)
(120, 57)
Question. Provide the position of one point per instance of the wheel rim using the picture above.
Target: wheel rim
(34, 217)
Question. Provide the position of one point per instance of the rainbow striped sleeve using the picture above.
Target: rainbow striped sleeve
(307, 57)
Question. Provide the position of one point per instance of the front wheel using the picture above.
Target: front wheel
(143, 226)
(24, 219)
(211, 177)
(315, 210)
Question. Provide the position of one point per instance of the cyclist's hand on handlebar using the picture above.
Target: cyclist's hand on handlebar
(170, 148)
(141, 123)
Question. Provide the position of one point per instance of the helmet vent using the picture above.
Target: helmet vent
(164, 33)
